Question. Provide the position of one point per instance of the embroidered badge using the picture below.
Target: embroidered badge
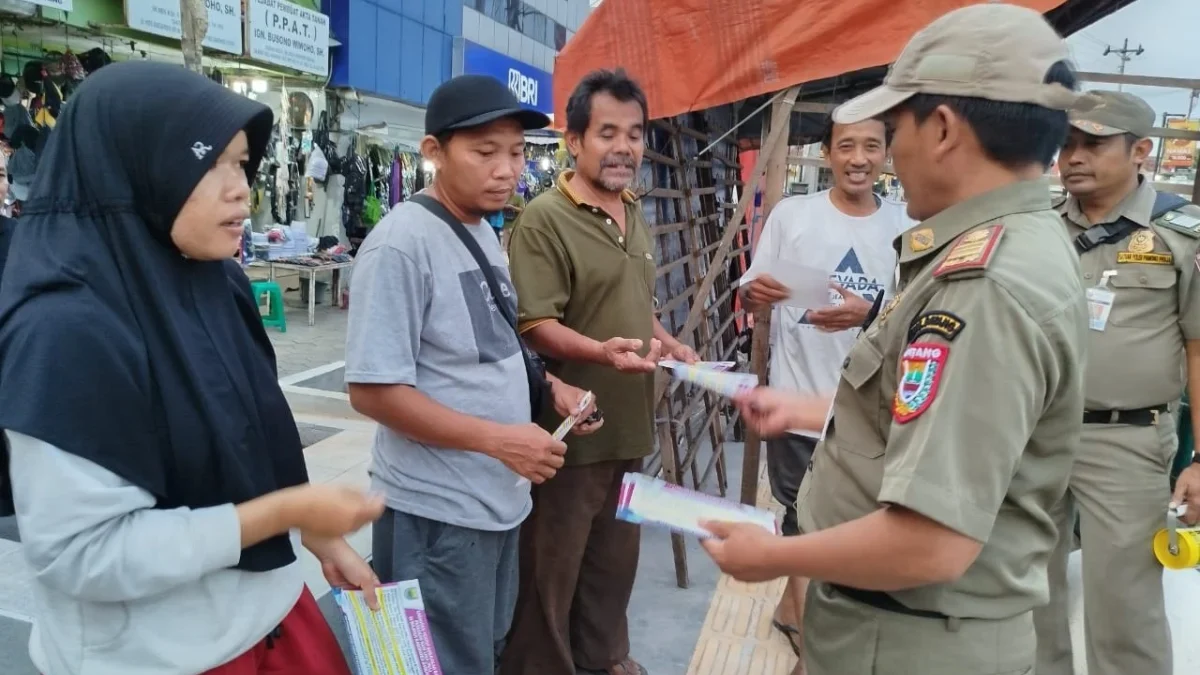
(1142, 241)
(920, 371)
(972, 252)
(943, 324)
(921, 240)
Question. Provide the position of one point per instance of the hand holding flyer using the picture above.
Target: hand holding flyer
(394, 640)
(653, 501)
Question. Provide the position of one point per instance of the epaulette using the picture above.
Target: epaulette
(1185, 219)
(971, 253)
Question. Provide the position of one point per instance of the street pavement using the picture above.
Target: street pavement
(664, 620)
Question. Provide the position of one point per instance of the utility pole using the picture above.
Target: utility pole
(193, 25)
(1125, 54)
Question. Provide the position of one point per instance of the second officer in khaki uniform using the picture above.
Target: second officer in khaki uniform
(1137, 251)
(926, 514)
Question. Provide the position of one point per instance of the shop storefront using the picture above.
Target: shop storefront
(532, 86)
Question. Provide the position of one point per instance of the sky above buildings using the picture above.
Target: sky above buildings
(1167, 31)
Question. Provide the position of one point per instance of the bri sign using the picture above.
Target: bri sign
(532, 86)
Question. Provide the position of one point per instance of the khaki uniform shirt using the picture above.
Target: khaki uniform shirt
(963, 399)
(1138, 361)
(570, 262)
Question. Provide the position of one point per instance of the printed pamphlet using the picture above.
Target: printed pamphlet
(652, 501)
(712, 378)
(395, 640)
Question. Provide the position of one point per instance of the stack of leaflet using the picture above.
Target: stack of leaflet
(714, 376)
(650, 501)
(394, 640)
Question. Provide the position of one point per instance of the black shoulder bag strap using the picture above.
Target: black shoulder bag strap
(534, 368)
(1164, 202)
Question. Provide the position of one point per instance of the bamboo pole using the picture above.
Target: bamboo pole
(721, 254)
(776, 176)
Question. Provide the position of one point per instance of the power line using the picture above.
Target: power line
(1125, 54)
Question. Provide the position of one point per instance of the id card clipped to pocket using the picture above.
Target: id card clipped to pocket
(1100, 302)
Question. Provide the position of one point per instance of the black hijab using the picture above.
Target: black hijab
(115, 347)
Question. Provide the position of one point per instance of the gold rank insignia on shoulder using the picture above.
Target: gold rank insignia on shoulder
(1182, 221)
(921, 240)
(971, 252)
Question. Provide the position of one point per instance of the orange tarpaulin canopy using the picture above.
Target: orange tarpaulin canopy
(696, 54)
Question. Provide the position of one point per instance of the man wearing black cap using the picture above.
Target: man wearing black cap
(431, 356)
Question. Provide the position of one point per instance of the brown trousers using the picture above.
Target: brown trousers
(578, 563)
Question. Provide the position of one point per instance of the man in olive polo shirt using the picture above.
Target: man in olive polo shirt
(583, 264)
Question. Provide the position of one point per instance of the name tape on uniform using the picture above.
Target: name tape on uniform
(1124, 257)
(945, 324)
(921, 369)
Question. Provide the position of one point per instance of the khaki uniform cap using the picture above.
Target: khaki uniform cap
(995, 51)
(1115, 112)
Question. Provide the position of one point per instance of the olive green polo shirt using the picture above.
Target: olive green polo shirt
(570, 263)
(963, 399)
(1137, 361)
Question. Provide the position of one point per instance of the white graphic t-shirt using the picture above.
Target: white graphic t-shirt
(857, 252)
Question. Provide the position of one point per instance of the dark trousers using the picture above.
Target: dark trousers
(788, 458)
(468, 583)
(578, 563)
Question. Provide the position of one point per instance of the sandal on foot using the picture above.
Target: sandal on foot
(791, 633)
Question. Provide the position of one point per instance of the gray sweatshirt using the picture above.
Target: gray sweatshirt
(122, 588)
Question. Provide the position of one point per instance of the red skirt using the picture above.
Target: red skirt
(302, 645)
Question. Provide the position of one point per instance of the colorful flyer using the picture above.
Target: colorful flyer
(706, 365)
(714, 379)
(394, 640)
(652, 501)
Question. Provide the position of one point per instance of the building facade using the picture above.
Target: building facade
(400, 50)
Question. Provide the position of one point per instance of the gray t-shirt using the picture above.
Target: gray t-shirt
(421, 315)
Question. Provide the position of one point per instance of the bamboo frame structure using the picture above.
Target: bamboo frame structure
(697, 206)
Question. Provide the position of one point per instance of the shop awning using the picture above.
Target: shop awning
(697, 54)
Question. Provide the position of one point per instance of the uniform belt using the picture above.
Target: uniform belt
(1140, 417)
(885, 602)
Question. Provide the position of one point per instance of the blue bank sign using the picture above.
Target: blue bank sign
(531, 86)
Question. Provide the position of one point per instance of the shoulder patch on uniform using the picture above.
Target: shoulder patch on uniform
(945, 324)
(921, 240)
(972, 251)
(1185, 219)
(921, 369)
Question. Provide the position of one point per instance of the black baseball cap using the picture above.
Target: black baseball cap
(470, 101)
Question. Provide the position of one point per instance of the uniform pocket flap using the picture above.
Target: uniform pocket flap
(862, 364)
(1144, 276)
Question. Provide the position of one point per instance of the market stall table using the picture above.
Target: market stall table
(311, 271)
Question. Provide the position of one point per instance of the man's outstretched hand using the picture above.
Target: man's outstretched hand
(622, 354)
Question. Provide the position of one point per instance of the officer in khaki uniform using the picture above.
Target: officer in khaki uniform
(926, 511)
(1137, 251)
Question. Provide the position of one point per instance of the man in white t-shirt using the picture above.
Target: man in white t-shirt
(846, 231)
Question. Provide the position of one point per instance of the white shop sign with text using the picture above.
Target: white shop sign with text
(287, 34)
(64, 5)
(161, 17)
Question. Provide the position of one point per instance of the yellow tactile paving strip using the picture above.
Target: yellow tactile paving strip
(737, 637)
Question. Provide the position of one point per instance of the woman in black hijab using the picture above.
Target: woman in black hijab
(155, 467)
